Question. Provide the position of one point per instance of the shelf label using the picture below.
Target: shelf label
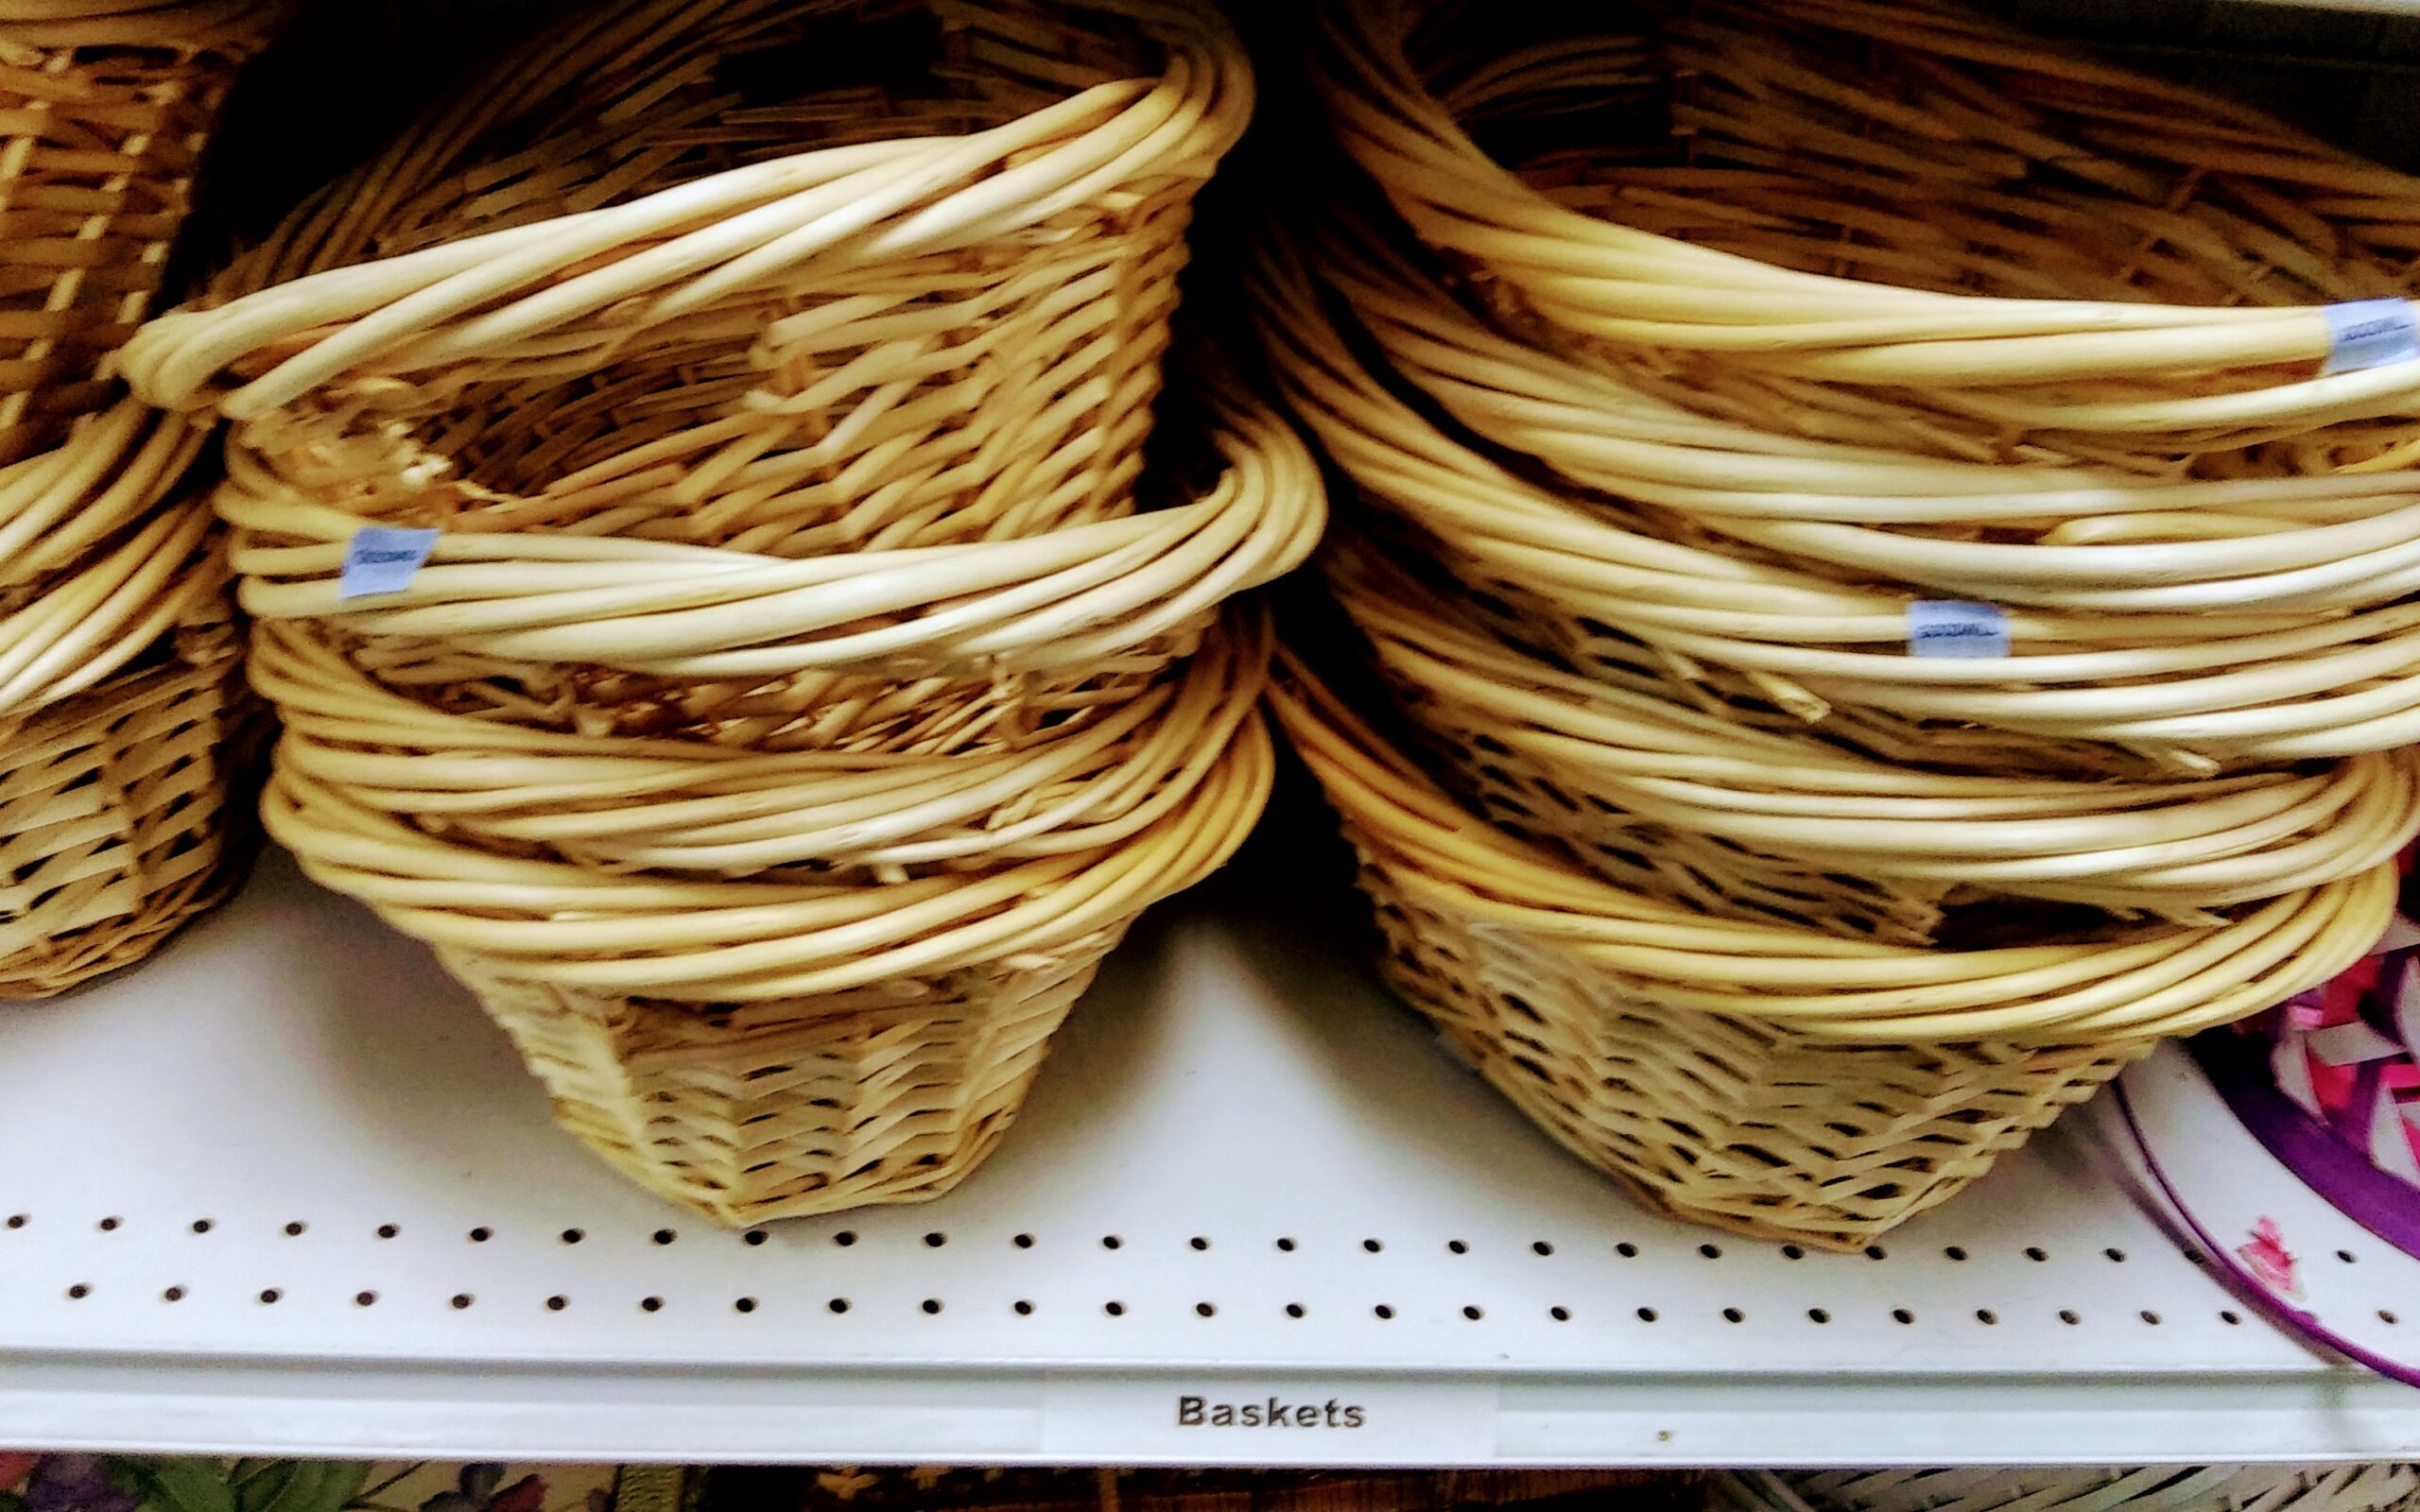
(1283, 1421)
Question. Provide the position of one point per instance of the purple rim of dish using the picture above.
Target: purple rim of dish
(2240, 1279)
(2387, 1206)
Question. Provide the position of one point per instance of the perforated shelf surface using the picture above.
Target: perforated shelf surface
(283, 1189)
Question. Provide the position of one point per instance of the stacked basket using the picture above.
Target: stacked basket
(688, 492)
(1908, 536)
(121, 722)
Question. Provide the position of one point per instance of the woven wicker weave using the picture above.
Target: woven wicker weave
(766, 1049)
(1895, 220)
(1596, 577)
(1775, 1081)
(716, 368)
(115, 810)
(123, 720)
(1667, 799)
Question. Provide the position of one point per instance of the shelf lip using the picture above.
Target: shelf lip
(805, 1416)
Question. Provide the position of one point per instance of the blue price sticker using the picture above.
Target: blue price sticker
(2370, 333)
(1946, 627)
(383, 559)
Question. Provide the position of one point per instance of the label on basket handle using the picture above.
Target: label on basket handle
(1947, 628)
(383, 559)
(2370, 333)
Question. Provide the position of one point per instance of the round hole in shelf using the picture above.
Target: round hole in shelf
(202, 1226)
(1114, 1309)
(1286, 1244)
(2147, 1315)
(1383, 1310)
(743, 1304)
(1954, 1252)
(174, 1293)
(462, 1300)
(666, 1236)
(1647, 1314)
(107, 1225)
(650, 1304)
(481, 1235)
(1877, 1252)
(931, 1305)
(1816, 1314)
(2386, 1316)
(2230, 1317)
(754, 1237)
(1372, 1246)
(1111, 1241)
(1541, 1248)
(1561, 1314)
(1732, 1315)
(80, 1291)
(1197, 1241)
(2069, 1315)
(1793, 1252)
(17, 1220)
(573, 1236)
(838, 1304)
(2117, 1255)
(1900, 1314)
(1627, 1250)
(1023, 1241)
(269, 1296)
(1457, 1246)
(556, 1304)
(388, 1230)
(1710, 1252)
(2036, 1253)
(365, 1298)
(1293, 1310)
(1473, 1313)
(1984, 1315)
(1204, 1310)
(845, 1238)
(294, 1230)
(1023, 1309)
(935, 1241)
(2348, 1256)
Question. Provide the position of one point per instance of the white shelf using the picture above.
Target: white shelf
(304, 1082)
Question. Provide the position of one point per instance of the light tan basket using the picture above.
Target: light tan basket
(119, 818)
(1897, 220)
(765, 1049)
(1771, 1080)
(737, 379)
(1669, 800)
(1593, 578)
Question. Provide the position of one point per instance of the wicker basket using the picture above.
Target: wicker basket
(2152, 1488)
(1667, 799)
(718, 370)
(107, 106)
(1594, 579)
(1892, 220)
(1774, 1081)
(123, 719)
(764, 1049)
(118, 821)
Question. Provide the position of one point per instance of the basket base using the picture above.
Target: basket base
(1718, 1121)
(119, 823)
(751, 1113)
